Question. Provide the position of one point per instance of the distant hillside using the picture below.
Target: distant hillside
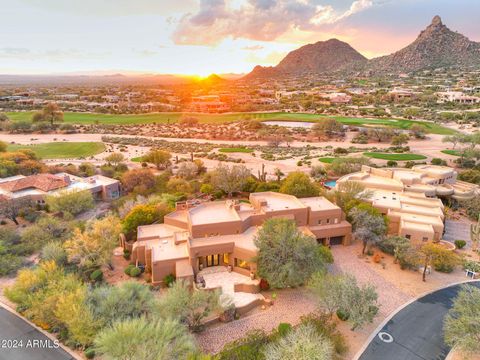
(322, 57)
(436, 46)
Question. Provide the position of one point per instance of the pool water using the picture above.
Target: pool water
(331, 183)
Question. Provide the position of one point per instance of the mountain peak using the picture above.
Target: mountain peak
(437, 20)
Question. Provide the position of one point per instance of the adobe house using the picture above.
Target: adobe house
(200, 235)
(411, 197)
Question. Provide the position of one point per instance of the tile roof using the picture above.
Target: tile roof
(44, 182)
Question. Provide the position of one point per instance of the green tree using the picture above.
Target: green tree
(143, 215)
(394, 245)
(138, 180)
(70, 201)
(367, 227)
(462, 325)
(94, 247)
(86, 169)
(229, 179)
(3, 146)
(145, 339)
(286, 256)
(159, 158)
(301, 343)
(115, 158)
(399, 140)
(50, 113)
(327, 128)
(346, 165)
(190, 307)
(327, 290)
(300, 185)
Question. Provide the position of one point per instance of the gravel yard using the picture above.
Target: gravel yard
(394, 287)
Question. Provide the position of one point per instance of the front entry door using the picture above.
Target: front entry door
(212, 260)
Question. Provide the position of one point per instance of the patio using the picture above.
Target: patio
(220, 277)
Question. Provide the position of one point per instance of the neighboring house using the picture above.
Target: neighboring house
(208, 104)
(410, 197)
(457, 97)
(199, 235)
(37, 187)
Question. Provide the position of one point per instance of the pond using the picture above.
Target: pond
(330, 183)
(290, 124)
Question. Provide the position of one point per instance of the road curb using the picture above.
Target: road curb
(389, 317)
(46, 333)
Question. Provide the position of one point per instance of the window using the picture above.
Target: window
(408, 236)
(425, 239)
(319, 222)
(242, 264)
(226, 259)
(335, 221)
(328, 221)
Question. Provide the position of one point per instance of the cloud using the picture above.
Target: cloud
(262, 20)
(253, 47)
(49, 54)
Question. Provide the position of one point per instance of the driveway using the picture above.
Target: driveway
(416, 331)
(21, 341)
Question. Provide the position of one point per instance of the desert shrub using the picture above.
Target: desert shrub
(283, 328)
(343, 314)
(89, 353)
(302, 343)
(249, 347)
(128, 269)
(126, 254)
(460, 244)
(472, 265)
(127, 300)
(9, 264)
(96, 276)
(135, 272)
(392, 163)
(169, 280)
(325, 326)
(54, 251)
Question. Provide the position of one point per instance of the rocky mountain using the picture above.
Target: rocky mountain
(436, 46)
(322, 57)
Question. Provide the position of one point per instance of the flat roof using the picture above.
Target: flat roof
(278, 201)
(212, 212)
(318, 203)
(156, 230)
(244, 240)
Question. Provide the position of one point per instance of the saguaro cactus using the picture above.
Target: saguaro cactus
(475, 234)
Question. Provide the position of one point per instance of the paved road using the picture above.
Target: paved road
(21, 341)
(416, 330)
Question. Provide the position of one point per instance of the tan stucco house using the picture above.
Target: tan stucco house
(200, 235)
(411, 197)
(37, 187)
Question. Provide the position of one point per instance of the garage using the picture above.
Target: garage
(336, 240)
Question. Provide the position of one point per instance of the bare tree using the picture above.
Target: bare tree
(11, 208)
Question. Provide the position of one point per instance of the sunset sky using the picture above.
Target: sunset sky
(206, 36)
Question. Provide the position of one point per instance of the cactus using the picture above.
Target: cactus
(262, 176)
(475, 234)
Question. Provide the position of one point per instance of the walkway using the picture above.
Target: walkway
(21, 341)
(416, 331)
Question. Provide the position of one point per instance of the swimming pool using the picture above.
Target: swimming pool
(331, 183)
